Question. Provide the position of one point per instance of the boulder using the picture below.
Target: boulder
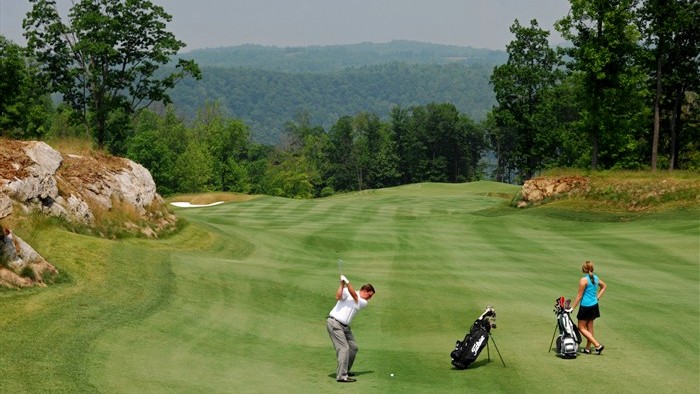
(5, 205)
(38, 183)
(21, 265)
(538, 190)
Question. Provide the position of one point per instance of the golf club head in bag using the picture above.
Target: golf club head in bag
(489, 315)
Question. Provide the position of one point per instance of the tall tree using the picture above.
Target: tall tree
(377, 162)
(301, 139)
(672, 37)
(340, 152)
(157, 143)
(521, 87)
(473, 142)
(408, 147)
(227, 141)
(605, 49)
(104, 60)
(24, 107)
(445, 143)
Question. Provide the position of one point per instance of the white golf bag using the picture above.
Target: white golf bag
(569, 337)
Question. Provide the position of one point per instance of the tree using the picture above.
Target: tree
(473, 141)
(374, 148)
(157, 143)
(571, 150)
(288, 176)
(521, 86)
(500, 142)
(193, 170)
(406, 143)
(24, 108)
(340, 153)
(670, 30)
(227, 141)
(106, 58)
(304, 140)
(605, 50)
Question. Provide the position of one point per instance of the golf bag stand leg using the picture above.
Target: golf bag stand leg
(496, 347)
(488, 350)
(553, 335)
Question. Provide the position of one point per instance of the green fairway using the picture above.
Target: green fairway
(236, 302)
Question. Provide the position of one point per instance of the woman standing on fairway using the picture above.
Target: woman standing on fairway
(349, 302)
(588, 295)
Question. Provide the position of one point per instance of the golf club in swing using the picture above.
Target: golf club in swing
(340, 266)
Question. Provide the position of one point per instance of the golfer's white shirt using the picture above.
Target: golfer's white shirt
(345, 309)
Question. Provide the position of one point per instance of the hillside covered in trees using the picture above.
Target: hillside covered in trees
(269, 86)
(266, 100)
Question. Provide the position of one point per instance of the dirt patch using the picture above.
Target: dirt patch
(84, 170)
(14, 160)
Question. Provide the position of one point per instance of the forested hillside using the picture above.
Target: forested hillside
(266, 100)
(268, 86)
(339, 57)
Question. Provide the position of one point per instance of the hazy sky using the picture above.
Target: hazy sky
(215, 23)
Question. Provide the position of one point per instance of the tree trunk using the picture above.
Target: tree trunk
(595, 135)
(657, 115)
(674, 121)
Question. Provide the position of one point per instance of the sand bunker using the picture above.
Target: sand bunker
(188, 205)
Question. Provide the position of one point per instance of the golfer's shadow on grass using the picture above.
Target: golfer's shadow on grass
(359, 373)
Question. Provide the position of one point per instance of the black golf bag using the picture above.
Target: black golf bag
(467, 350)
(569, 337)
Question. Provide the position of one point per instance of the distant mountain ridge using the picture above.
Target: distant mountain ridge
(331, 58)
(268, 86)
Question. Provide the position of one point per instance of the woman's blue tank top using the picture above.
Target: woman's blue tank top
(589, 294)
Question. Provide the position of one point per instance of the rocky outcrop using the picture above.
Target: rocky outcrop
(76, 188)
(537, 190)
(20, 264)
(116, 182)
(86, 191)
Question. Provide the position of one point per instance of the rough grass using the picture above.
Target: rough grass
(75, 146)
(236, 301)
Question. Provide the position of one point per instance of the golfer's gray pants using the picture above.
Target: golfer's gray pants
(345, 346)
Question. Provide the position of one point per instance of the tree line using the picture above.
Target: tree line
(432, 143)
(623, 94)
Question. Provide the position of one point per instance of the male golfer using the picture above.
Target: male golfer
(338, 323)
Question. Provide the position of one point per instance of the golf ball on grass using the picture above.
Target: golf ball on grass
(392, 375)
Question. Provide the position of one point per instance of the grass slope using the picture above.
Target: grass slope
(236, 302)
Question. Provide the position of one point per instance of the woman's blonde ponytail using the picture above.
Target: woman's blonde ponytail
(587, 268)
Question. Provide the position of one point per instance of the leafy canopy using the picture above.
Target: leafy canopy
(105, 58)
